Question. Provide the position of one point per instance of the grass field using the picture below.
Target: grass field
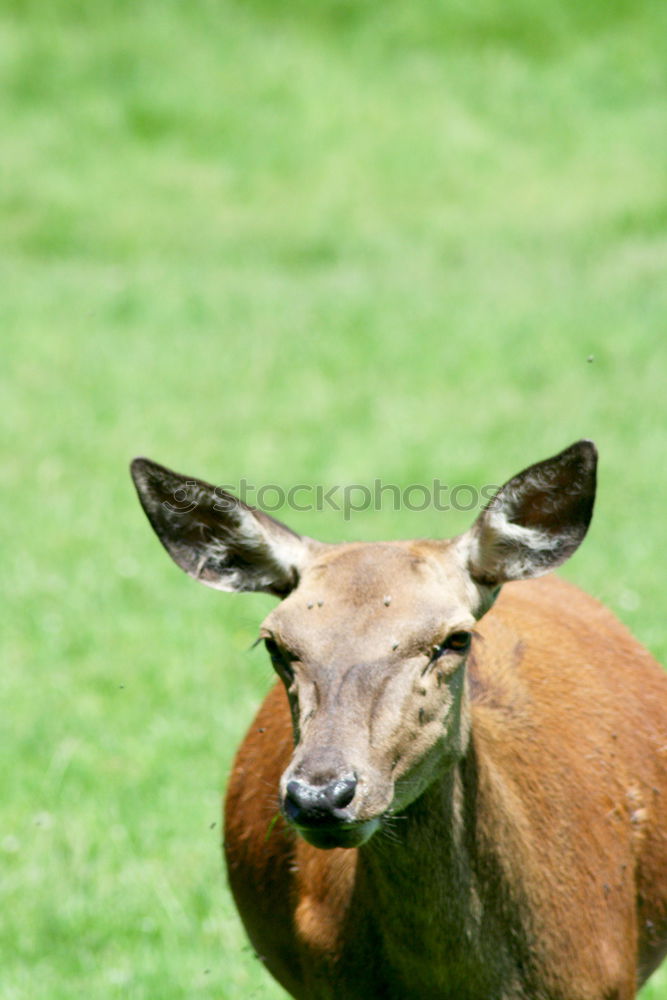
(322, 244)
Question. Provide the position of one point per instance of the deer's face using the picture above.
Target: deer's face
(371, 639)
(371, 648)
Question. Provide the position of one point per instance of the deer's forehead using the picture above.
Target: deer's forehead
(375, 596)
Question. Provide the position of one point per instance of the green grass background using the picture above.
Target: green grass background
(318, 242)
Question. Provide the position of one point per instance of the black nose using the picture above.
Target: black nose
(318, 805)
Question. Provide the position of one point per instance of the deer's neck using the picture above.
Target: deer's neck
(422, 879)
(424, 861)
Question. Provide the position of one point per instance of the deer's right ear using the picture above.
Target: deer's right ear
(217, 538)
(536, 520)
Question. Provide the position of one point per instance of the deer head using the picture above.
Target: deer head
(371, 639)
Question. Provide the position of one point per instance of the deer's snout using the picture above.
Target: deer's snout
(319, 805)
(326, 812)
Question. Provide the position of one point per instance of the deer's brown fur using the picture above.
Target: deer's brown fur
(414, 815)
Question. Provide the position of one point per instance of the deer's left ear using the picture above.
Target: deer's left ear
(536, 520)
(215, 537)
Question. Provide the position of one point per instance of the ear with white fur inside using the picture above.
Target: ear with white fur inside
(536, 520)
(215, 537)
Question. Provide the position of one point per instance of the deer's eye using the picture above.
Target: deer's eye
(280, 659)
(456, 642)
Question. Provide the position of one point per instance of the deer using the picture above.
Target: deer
(457, 786)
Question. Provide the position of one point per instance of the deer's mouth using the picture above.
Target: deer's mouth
(326, 837)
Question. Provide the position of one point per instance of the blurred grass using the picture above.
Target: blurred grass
(325, 243)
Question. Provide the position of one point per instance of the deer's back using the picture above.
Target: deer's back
(570, 717)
